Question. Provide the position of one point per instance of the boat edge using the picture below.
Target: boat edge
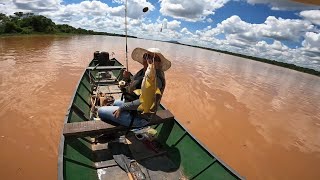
(61, 144)
(206, 149)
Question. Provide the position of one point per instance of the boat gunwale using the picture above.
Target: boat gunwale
(62, 138)
(206, 148)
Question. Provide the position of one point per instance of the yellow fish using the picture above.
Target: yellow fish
(148, 90)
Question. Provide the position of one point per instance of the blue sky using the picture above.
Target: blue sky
(281, 30)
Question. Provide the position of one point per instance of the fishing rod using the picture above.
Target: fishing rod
(145, 9)
(125, 23)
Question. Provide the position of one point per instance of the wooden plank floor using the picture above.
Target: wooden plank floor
(155, 165)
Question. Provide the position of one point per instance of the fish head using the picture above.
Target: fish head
(151, 71)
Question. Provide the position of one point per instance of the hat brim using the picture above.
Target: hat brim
(137, 55)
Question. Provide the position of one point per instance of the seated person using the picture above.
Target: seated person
(119, 113)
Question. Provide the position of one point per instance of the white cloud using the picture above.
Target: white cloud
(311, 45)
(283, 4)
(135, 8)
(36, 5)
(284, 29)
(152, 30)
(312, 16)
(209, 20)
(234, 25)
(275, 46)
(246, 38)
(173, 24)
(312, 40)
(185, 31)
(135, 22)
(278, 29)
(235, 41)
(208, 33)
(116, 11)
(191, 10)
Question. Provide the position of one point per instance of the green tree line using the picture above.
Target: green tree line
(29, 23)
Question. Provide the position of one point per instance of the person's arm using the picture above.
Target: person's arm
(133, 105)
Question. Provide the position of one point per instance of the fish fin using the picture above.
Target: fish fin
(153, 105)
(140, 108)
(141, 99)
(148, 84)
(137, 91)
(158, 91)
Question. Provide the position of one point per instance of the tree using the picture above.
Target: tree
(19, 14)
(11, 27)
(41, 23)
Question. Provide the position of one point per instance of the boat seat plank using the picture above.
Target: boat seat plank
(93, 128)
(107, 81)
(106, 68)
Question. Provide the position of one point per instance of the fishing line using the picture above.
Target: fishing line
(126, 6)
(145, 9)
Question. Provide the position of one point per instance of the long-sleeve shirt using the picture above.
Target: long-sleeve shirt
(133, 105)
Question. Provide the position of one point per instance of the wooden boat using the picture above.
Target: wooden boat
(179, 155)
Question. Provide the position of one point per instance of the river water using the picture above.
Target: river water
(262, 120)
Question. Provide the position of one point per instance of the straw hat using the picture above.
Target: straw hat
(137, 55)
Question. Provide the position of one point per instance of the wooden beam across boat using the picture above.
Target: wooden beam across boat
(96, 127)
(106, 68)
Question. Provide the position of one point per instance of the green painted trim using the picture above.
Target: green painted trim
(85, 101)
(215, 160)
(79, 110)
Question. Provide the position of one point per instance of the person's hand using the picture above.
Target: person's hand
(126, 74)
(122, 84)
(116, 113)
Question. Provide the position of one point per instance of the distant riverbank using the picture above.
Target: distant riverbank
(28, 24)
(268, 61)
(57, 34)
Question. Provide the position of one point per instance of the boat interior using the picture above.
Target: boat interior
(147, 159)
(93, 149)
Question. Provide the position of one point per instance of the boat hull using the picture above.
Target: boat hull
(78, 156)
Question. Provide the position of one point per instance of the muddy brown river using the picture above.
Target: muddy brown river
(262, 120)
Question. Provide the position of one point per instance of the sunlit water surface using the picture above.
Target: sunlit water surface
(262, 120)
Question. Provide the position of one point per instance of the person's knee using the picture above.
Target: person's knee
(118, 102)
(102, 110)
(107, 110)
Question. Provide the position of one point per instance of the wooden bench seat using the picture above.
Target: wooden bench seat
(106, 82)
(106, 68)
(96, 127)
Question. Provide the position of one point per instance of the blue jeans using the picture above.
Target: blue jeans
(106, 114)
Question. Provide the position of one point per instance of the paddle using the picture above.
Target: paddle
(119, 150)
